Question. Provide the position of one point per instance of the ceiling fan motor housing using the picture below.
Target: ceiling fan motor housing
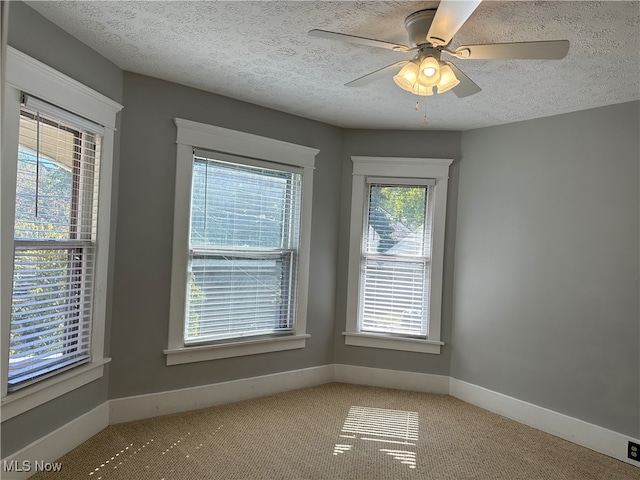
(418, 25)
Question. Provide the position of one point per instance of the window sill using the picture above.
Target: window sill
(392, 343)
(30, 397)
(177, 356)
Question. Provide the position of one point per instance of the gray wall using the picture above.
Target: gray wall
(428, 144)
(32, 34)
(546, 264)
(41, 39)
(145, 232)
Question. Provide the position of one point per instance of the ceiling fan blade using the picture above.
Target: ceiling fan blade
(449, 17)
(544, 50)
(466, 87)
(358, 40)
(370, 77)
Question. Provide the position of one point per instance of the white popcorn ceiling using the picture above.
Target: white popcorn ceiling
(260, 52)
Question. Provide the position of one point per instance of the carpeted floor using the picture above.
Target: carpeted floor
(335, 431)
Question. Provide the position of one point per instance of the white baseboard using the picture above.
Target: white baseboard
(55, 444)
(380, 377)
(572, 429)
(174, 401)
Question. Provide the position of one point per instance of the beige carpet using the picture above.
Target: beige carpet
(335, 431)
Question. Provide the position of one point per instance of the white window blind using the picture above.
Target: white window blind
(54, 243)
(244, 240)
(396, 258)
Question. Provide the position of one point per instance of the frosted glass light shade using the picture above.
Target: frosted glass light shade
(429, 74)
(448, 79)
(422, 90)
(407, 76)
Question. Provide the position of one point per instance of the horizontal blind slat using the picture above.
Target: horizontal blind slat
(56, 341)
(45, 369)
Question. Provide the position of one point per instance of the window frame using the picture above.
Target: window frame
(254, 252)
(415, 259)
(25, 74)
(398, 168)
(194, 135)
(81, 239)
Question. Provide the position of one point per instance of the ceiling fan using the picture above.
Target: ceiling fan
(430, 32)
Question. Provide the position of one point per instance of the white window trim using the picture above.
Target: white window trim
(192, 135)
(400, 168)
(25, 74)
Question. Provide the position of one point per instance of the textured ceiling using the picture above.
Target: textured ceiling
(260, 52)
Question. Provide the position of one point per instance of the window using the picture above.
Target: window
(54, 244)
(396, 259)
(243, 250)
(396, 253)
(241, 244)
(55, 227)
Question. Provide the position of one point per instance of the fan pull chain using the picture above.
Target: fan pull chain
(417, 107)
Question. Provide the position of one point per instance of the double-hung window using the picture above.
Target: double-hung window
(54, 242)
(396, 253)
(57, 149)
(241, 244)
(244, 242)
(396, 258)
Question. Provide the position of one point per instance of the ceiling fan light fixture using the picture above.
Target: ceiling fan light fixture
(422, 90)
(407, 76)
(429, 72)
(448, 79)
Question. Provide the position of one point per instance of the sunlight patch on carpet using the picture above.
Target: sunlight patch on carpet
(394, 428)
